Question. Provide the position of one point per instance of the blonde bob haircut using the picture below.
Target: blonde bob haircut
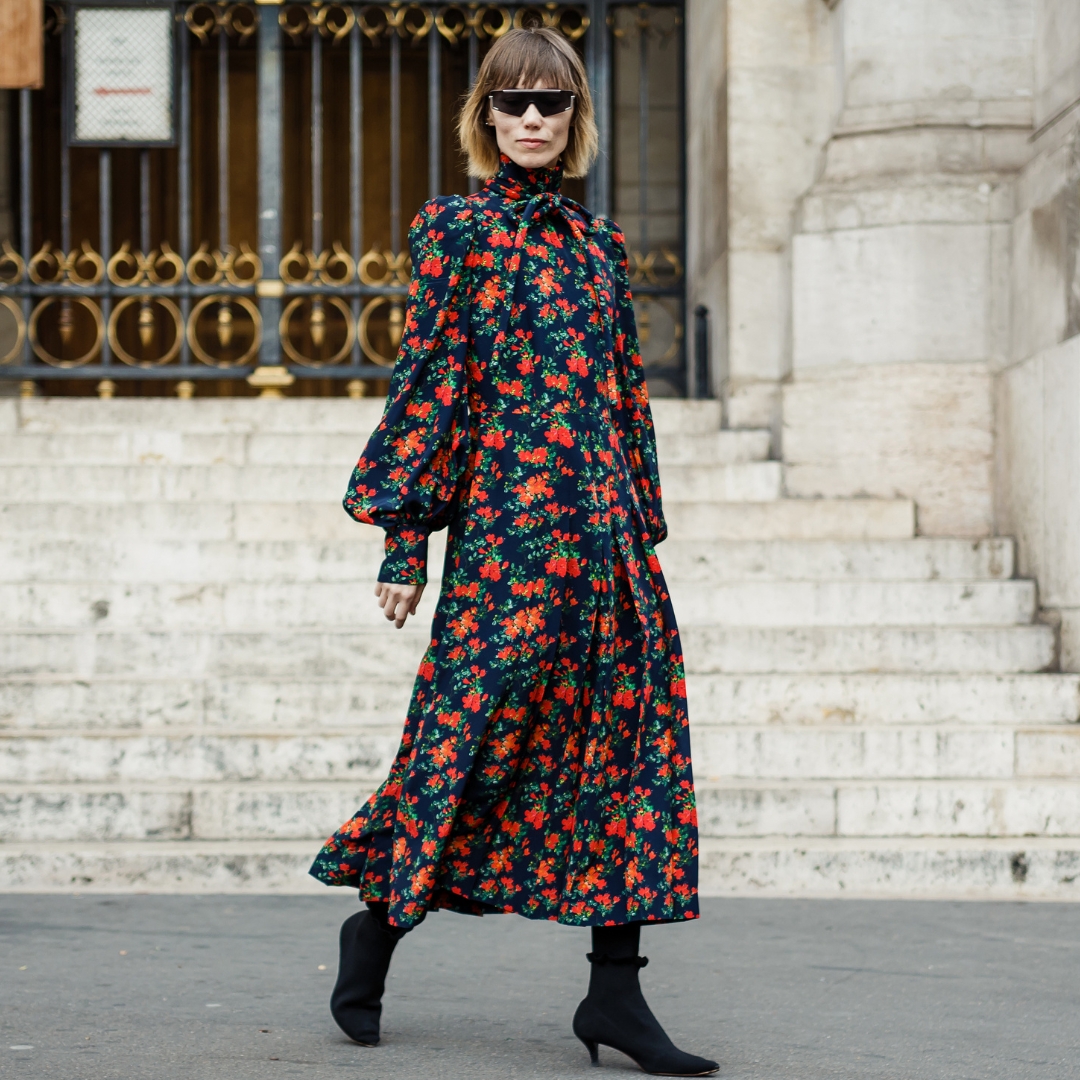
(522, 58)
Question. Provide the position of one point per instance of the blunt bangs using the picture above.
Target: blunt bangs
(522, 58)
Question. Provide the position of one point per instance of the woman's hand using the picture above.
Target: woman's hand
(398, 601)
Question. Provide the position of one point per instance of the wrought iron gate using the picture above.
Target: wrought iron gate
(254, 228)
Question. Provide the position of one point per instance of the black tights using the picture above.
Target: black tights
(618, 942)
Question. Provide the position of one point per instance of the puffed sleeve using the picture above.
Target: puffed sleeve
(634, 415)
(406, 480)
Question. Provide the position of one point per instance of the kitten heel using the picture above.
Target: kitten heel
(594, 1050)
(615, 1013)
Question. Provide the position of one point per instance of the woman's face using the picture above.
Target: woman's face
(532, 141)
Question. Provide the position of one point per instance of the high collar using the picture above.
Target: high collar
(515, 182)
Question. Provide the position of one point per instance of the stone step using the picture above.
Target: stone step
(956, 868)
(721, 753)
(177, 811)
(94, 813)
(708, 562)
(855, 603)
(889, 808)
(149, 447)
(838, 650)
(154, 521)
(960, 808)
(274, 705)
(232, 416)
(928, 868)
(326, 605)
(325, 522)
(386, 652)
(909, 752)
(210, 416)
(156, 447)
(751, 482)
(185, 866)
(747, 482)
(792, 808)
(712, 447)
(194, 654)
(791, 519)
(198, 757)
(861, 700)
(264, 703)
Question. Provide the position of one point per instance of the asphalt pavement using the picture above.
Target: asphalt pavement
(236, 987)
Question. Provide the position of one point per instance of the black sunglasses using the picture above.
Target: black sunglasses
(517, 102)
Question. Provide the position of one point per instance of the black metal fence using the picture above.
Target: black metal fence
(221, 191)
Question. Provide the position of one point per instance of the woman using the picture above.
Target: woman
(545, 763)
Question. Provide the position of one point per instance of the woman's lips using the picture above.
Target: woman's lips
(532, 144)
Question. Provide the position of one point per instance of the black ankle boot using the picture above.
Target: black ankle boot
(366, 947)
(616, 1014)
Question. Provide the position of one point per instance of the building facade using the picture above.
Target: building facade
(854, 229)
(881, 212)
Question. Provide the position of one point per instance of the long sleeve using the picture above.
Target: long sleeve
(635, 419)
(406, 480)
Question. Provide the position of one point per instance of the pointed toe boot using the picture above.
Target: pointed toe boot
(615, 1014)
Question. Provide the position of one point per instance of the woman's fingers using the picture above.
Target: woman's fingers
(398, 602)
(386, 600)
(398, 612)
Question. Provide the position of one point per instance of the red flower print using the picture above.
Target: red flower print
(544, 766)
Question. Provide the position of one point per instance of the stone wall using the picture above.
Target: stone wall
(1038, 393)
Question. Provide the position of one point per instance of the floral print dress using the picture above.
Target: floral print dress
(544, 767)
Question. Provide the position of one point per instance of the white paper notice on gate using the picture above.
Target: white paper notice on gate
(123, 75)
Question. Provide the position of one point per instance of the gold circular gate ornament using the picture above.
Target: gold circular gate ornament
(370, 30)
(55, 361)
(20, 329)
(10, 257)
(298, 357)
(85, 254)
(114, 339)
(256, 339)
(362, 329)
(382, 267)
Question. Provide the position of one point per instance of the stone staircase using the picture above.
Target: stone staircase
(196, 686)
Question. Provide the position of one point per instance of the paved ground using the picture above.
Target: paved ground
(202, 988)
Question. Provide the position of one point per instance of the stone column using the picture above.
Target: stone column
(901, 259)
(781, 99)
(1038, 392)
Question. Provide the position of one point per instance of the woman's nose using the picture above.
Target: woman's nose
(532, 117)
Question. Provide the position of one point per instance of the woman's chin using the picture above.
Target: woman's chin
(540, 158)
